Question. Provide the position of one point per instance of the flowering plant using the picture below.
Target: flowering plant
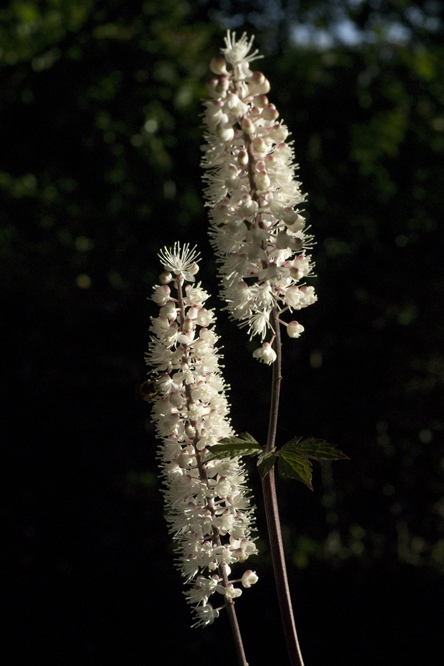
(261, 240)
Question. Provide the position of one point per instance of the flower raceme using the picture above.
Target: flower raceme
(256, 227)
(207, 503)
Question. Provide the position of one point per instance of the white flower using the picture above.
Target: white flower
(180, 261)
(207, 503)
(257, 229)
(206, 615)
(237, 52)
(265, 354)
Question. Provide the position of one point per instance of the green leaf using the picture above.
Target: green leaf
(266, 462)
(232, 447)
(295, 465)
(317, 449)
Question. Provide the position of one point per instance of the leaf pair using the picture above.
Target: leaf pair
(294, 457)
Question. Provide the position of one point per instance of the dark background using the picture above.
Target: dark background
(99, 168)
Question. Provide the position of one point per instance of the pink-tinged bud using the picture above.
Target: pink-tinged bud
(242, 158)
(194, 268)
(255, 112)
(270, 112)
(211, 87)
(188, 325)
(225, 134)
(294, 329)
(258, 78)
(192, 312)
(249, 578)
(261, 101)
(260, 146)
(218, 65)
(161, 294)
(223, 84)
(190, 431)
(258, 84)
(262, 181)
(247, 126)
(165, 277)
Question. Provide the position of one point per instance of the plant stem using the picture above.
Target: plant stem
(229, 603)
(272, 514)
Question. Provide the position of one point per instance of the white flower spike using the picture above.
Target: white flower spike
(257, 229)
(207, 502)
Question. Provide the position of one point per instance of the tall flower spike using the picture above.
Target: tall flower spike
(257, 229)
(207, 503)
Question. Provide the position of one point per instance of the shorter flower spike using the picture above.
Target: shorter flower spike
(207, 503)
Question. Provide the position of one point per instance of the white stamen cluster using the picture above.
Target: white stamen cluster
(207, 503)
(256, 227)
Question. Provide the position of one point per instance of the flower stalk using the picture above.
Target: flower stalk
(273, 520)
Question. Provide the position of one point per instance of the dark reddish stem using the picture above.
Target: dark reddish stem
(272, 514)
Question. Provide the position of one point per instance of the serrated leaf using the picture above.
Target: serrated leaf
(266, 462)
(232, 447)
(245, 437)
(294, 464)
(316, 449)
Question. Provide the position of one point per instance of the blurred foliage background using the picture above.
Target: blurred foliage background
(99, 168)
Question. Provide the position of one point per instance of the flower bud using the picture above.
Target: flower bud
(218, 65)
(169, 310)
(260, 146)
(223, 84)
(262, 181)
(211, 87)
(190, 431)
(270, 112)
(242, 157)
(261, 101)
(188, 325)
(247, 126)
(165, 277)
(249, 578)
(225, 134)
(161, 294)
(294, 329)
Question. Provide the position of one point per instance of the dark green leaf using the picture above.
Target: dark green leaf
(266, 462)
(317, 449)
(232, 447)
(295, 465)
